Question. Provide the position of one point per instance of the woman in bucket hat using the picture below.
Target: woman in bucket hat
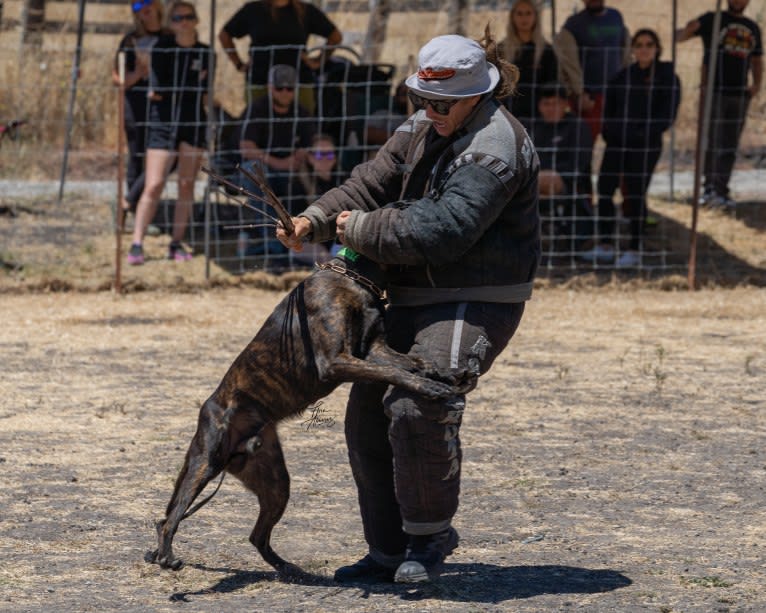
(448, 208)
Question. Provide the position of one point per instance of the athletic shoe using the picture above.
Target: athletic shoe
(177, 252)
(599, 253)
(366, 569)
(425, 557)
(707, 197)
(628, 259)
(136, 255)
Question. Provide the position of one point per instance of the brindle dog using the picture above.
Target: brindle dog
(326, 331)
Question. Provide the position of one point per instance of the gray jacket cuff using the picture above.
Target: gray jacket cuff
(354, 229)
(322, 228)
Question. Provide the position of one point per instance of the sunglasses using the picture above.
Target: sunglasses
(284, 89)
(184, 17)
(323, 155)
(644, 46)
(440, 107)
(137, 6)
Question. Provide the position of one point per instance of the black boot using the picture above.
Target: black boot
(365, 569)
(425, 556)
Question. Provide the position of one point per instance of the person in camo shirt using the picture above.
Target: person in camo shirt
(448, 208)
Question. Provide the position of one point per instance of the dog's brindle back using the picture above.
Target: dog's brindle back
(328, 330)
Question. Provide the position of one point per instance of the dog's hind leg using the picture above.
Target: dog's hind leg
(265, 474)
(205, 459)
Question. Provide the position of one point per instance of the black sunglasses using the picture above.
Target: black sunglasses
(440, 107)
(184, 17)
(284, 89)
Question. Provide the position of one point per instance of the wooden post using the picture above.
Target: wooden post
(376, 30)
(119, 225)
(457, 15)
(702, 143)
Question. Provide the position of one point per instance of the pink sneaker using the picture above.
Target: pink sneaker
(136, 255)
(177, 253)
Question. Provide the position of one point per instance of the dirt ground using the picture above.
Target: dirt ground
(614, 461)
(614, 457)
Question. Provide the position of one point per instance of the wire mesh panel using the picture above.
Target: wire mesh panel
(598, 202)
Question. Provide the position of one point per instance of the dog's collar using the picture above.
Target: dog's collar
(334, 266)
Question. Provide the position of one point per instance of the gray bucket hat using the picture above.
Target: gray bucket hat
(453, 66)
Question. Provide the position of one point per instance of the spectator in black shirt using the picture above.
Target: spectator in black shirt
(641, 102)
(178, 84)
(740, 56)
(276, 133)
(278, 31)
(565, 146)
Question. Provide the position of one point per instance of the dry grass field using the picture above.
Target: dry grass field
(614, 456)
(614, 460)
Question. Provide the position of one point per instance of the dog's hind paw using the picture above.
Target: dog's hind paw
(290, 572)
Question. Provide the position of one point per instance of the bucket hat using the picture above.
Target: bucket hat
(453, 66)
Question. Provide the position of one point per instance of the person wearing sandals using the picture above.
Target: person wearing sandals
(178, 83)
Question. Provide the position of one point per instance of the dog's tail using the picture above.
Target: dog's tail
(207, 499)
(250, 446)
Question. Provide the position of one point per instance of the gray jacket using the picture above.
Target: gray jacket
(475, 226)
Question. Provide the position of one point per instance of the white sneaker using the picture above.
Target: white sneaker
(599, 253)
(628, 259)
(707, 197)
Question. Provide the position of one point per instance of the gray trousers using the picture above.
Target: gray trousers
(727, 119)
(405, 450)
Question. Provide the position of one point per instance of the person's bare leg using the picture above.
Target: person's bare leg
(189, 162)
(158, 163)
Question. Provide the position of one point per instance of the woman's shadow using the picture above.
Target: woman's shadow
(474, 582)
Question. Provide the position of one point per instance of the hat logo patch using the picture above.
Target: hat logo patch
(431, 74)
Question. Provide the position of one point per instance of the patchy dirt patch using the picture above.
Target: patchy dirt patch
(614, 461)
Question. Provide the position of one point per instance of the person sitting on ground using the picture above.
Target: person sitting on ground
(177, 103)
(382, 123)
(565, 147)
(525, 46)
(276, 133)
(318, 175)
(641, 103)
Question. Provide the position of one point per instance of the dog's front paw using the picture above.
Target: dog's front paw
(169, 562)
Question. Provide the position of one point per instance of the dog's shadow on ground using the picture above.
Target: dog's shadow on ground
(488, 583)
